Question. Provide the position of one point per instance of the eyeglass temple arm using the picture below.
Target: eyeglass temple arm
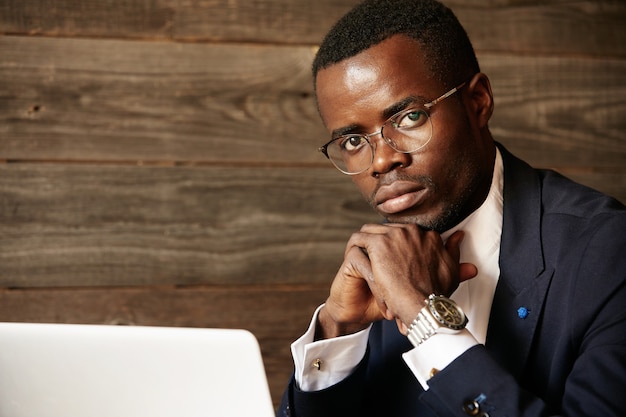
(443, 97)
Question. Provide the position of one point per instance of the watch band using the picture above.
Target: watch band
(421, 328)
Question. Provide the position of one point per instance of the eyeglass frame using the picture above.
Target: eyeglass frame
(427, 106)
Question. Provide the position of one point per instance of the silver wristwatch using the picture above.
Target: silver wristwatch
(439, 315)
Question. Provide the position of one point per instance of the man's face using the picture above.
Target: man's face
(440, 184)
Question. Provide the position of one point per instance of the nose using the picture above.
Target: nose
(386, 159)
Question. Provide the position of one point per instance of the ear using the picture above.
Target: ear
(480, 99)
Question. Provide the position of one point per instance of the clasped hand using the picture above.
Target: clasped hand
(387, 273)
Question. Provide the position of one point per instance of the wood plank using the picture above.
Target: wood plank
(84, 225)
(560, 112)
(117, 18)
(275, 315)
(265, 21)
(120, 100)
(103, 100)
(556, 26)
(551, 27)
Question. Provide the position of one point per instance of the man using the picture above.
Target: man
(532, 259)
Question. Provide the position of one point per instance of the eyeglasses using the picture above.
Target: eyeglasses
(407, 131)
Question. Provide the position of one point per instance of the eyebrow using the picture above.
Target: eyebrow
(401, 105)
(386, 114)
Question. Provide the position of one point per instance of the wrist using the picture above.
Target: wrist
(328, 328)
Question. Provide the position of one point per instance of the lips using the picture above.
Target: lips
(398, 197)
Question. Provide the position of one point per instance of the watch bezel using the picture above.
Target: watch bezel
(459, 324)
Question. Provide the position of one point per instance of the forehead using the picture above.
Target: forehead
(379, 77)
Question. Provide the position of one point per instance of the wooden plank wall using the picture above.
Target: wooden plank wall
(158, 160)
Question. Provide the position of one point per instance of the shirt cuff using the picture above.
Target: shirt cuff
(437, 352)
(323, 363)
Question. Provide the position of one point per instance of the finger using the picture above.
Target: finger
(375, 228)
(402, 327)
(360, 262)
(356, 241)
(453, 244)
(364, 238)
(384, 310)
(380, 300)
(467, 271)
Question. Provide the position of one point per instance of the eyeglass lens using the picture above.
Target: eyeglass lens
(407, 132)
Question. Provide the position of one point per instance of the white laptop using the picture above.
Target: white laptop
(69, 370)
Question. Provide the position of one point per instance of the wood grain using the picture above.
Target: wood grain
(103, 100)
(555, 26)
(83, 225)
(74, 99)
(544, 27)
(560, 112)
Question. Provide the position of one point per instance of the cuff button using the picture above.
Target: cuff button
(471, 408)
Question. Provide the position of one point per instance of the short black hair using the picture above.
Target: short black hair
(447, 48)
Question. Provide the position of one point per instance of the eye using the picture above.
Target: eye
(411, 119)
(351, 143)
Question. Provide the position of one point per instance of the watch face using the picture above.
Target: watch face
(448, 313)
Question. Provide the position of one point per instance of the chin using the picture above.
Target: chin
(439, 222)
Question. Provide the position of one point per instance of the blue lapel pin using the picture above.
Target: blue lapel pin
(522, 312)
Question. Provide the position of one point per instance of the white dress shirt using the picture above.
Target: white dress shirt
(320, 364)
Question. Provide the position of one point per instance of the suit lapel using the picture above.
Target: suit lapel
(524, 280)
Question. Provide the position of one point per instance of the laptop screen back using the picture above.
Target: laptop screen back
(66, 370)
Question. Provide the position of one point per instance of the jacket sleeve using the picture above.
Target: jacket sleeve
(577, 364)
(343, 399)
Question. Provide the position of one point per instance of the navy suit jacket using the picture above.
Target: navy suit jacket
(563, 259)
